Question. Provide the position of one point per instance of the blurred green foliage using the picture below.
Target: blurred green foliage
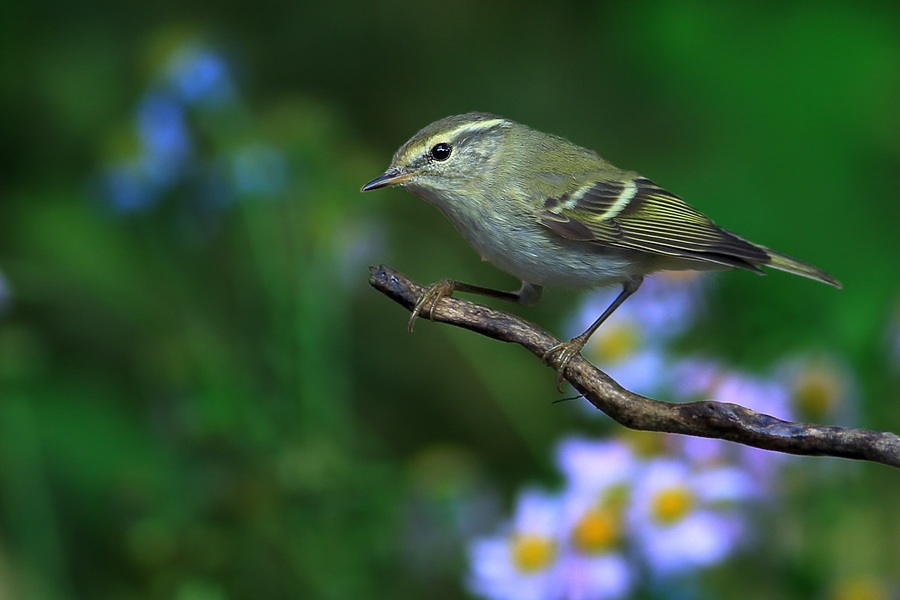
(204, 402)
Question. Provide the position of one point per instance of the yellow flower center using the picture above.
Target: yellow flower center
(816, 392)
(615, 342)
(596, 532)
(531, 553)
(645, 443)
(672, 505)
(860, 589)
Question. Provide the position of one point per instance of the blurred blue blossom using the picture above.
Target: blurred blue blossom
(136, 183)
(667, 304)
(670, 301)
(821, 388)
(684, 519)
(618, 515)
(598, 475)
(195, 79)
(593, 465)
(165, 141)
(200, 75)
(706, 379)
(625, 350)
(5, 294)
(632, 346)
(892, 336)
(128, 187)
(703, 379)
(523, 561)
(670, 510)
(600, 575)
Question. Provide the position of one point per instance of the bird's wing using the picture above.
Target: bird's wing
(635, 213)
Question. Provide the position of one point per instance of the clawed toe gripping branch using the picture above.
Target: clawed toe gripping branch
(704, 419)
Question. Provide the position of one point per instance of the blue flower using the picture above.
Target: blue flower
(128, 188)
(597, 476)
(165, 141)
(892, 336)
(594, 466)
(632, 345)
(821, 388)
(200, 75)
(623, 347)
(166, 157)
(5, 294)
(603, 576)
(523, 561)
(683, 519)
(700, 379)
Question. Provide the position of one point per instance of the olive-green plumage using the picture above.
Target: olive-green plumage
(553, 213)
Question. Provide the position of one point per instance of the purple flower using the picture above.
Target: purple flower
(820, 388)
(594, 466)
(523, 561)
(596, 577)
(597, 475)
(699, 379)
(683, 519)
(631, 345)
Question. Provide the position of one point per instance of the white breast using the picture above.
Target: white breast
(523, 247)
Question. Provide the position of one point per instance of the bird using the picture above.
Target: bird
(552, 213)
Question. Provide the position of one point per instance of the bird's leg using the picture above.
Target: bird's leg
(567, 350)
(526, 295)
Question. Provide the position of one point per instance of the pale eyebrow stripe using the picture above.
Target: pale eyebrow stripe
(473, 127)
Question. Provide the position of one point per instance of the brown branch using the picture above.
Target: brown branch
(704, 419)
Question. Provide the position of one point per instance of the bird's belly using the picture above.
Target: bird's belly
(535, 255)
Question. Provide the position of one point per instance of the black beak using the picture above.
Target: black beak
(392, 177)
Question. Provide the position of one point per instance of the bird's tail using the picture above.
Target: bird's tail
(791, 265)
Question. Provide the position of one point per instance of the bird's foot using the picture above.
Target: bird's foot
(430, 297)
(565, 351)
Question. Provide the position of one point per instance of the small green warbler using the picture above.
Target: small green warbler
(552, 213)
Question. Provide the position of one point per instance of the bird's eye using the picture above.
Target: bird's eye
(441, 151)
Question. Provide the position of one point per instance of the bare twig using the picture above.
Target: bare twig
(704, 419)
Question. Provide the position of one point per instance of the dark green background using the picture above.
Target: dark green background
(200, 405)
